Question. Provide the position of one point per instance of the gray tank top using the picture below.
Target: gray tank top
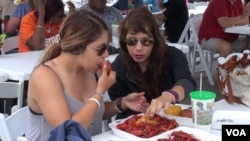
(38, 128)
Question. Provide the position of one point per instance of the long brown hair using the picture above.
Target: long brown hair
(141, 20)
(77, 31)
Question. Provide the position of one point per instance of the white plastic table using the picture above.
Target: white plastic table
(19, 65)
(243, 29)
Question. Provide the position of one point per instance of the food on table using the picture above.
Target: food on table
(187, 113)
(180, 136)
(174, 110)
(145, 126)
(108, 65)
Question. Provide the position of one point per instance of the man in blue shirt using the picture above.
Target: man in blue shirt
(12, 27)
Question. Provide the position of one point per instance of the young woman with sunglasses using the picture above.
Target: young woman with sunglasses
(147, 66)
(65, 85)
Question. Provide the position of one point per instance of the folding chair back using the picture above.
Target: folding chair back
(9, 44)
(14, 126)
(11, 90)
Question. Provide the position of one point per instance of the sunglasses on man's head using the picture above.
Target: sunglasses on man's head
(134, 41)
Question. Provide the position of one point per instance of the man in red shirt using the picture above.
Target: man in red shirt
(219, 15)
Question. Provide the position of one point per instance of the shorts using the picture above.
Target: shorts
(237, 46)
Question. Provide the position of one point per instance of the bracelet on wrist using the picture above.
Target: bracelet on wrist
(173, 98)
(39, 26)
(175, 94)
(118, 105)
(95, 100)
(99, 93)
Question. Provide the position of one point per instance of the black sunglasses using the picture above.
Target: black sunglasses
(101, 50)
(134, 41)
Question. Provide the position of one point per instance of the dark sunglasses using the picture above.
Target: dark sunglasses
(101, 50)
(134, 41)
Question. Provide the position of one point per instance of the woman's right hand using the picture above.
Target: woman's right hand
(135, 101)
(106, 79)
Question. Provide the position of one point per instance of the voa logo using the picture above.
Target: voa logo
(236, 132)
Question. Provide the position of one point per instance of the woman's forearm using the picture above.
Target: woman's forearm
(36, 42)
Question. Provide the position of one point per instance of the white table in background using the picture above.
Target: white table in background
(197, 10)
(77, 3)
(19, 65)
(107, 136)
(243, 29)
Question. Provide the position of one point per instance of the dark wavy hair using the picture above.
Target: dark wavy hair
(142, 20)
(77, 31)
(52, 7)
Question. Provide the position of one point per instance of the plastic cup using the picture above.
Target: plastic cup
(202, 103)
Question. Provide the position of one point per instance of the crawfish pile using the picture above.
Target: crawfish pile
(180, 136)
(145, 127)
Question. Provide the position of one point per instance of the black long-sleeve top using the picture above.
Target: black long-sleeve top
(176, 72)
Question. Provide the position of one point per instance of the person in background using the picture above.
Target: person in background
(219, 15)
(109, 15)
(154, 4)
(66, 86)
(20, 10)
(125, 6)
(175, 17)
(6, 7)
(39, 28)
(147, 66)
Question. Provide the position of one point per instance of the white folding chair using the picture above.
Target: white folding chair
(14, 126)
(189, 37)
(9, 44)
(9, 90)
